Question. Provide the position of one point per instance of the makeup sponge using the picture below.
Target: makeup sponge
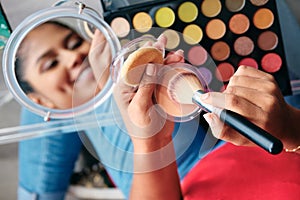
(134, 66)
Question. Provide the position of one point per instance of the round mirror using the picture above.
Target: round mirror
(57, 61)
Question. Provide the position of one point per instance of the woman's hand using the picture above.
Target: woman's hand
(151, 134)
(255, 95)
(100, 58)
(148, 127)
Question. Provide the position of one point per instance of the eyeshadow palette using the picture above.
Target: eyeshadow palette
(217, 36)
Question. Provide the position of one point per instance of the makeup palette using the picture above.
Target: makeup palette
(217, 36)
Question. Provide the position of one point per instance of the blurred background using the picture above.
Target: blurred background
(9, 112)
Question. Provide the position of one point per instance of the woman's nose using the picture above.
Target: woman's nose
(73, 61)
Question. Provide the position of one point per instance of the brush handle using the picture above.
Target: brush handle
(254, 133)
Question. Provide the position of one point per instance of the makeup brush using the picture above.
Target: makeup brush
(182, 86)
(186, 88)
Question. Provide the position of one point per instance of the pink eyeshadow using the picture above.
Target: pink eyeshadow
(243, 46)
(197, 55)
(250, 62)
(271, 62)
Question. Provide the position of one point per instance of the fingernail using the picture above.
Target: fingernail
(161, 36)
(179, 52)
(204, 96)
(150, 70)
(208, 118)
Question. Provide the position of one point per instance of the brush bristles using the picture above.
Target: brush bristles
(182, 87)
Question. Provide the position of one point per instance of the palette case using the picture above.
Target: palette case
(217, 36)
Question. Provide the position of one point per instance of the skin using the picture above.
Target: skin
(255, 95)
(58, 69)
(251, 93)
(150, 132)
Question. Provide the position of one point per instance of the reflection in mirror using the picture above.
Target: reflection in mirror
(62, 63)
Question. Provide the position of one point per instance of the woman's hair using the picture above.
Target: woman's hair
(19, 61)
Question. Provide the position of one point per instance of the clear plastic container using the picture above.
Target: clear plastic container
(175, 111)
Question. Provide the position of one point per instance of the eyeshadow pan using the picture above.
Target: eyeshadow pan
(192, 34)
(120, 26)
(124, 41)
(142, 22)
(215, 29)
(250, 62)
(197, 55)
(243, 46)
(187, 12)
(239, 23)
(164, 17)
(259, 2)
(263, 18)
(267, 40)
(235, 5)
(223, 88)
(173, 38)
(211, 8)
(271, 62)
(206, 74)
(224, 71)
(220, 51)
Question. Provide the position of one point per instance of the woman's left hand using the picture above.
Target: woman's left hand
(143, 121)
(100, 58)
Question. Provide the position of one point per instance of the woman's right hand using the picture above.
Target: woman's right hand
(255, 95)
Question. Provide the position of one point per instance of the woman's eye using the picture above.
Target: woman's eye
(74, 42)
(49, 64)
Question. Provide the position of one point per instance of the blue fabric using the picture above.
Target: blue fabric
(46, 163)
(291, 38)
(114, 148)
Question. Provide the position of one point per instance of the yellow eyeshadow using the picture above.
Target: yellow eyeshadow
(187, 12)
(192, 34)
(142, 22)
(164, 17)
(211, 8)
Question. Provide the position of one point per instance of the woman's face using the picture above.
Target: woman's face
(55, 63)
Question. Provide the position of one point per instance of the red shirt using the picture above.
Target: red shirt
(232, 172)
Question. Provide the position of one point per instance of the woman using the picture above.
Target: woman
(48, 72)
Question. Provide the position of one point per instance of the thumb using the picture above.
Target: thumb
(148, 82)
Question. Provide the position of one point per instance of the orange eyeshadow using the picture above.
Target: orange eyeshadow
(239, 23)
(215, 29)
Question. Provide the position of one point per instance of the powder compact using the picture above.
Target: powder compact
(165, 73)
(216, 36)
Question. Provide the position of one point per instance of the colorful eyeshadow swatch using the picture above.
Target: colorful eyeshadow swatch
(217, 36)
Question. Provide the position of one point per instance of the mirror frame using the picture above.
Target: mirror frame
(76, 11)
